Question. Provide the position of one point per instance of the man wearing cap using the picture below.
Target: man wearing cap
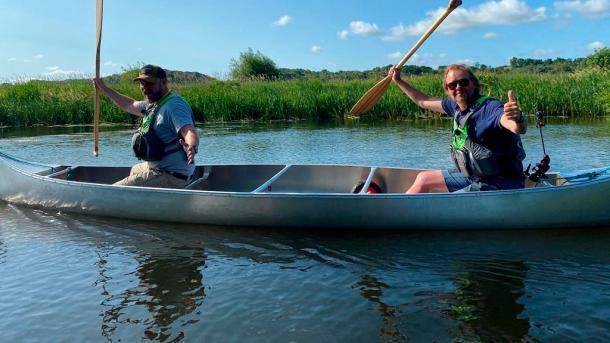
(168, 132)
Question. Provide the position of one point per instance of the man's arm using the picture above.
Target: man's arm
(512, 119)
(126, 103)
(420, 99)
(189, 142)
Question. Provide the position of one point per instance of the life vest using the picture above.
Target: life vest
(145, 143)
(373, 188)
(476, 161)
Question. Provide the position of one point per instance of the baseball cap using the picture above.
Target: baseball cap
(151, 73)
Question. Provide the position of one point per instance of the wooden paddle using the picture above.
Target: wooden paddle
(96, 102)
(370, 98)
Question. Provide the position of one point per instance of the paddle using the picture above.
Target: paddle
(370, 98)
(96, 103)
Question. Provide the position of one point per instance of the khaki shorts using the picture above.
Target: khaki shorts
(142, 175)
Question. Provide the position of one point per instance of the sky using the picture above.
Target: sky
(56, 39)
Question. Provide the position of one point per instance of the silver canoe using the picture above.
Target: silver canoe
(319, 196)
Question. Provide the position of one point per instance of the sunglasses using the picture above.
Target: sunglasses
(462, 82)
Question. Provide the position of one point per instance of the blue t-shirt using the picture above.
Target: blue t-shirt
(172, 116)
(484, 128)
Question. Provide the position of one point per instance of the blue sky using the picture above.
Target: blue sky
(52, 39)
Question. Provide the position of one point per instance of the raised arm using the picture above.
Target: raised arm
(126, 103)
(420, 99)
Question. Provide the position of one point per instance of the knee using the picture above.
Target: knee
(425, 177)
(426, 181)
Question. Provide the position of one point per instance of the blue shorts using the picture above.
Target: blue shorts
(455, 180)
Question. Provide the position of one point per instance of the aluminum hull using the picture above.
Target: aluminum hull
(315, 196)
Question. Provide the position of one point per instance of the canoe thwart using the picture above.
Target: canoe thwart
(267, 185)
(62, 172)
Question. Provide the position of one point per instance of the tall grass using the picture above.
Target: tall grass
(55, 103)
(71, 102)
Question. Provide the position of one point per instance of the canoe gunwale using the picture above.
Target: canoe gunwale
(259, 193)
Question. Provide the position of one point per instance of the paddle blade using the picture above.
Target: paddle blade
(370, 98)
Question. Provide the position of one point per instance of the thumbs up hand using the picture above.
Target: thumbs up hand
(511, 109)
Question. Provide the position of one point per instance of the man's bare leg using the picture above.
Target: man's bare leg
(427, 181)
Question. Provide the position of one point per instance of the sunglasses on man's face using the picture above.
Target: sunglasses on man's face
(462, 82)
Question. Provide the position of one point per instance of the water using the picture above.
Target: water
(66, 277)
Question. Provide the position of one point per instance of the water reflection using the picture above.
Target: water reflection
(372, 290)
(169, 287)
(485, 305)
(2, 251)
(9, 132)
(488, 300)
(149, 281)
(166, 282)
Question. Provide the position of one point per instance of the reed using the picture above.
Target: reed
(71, 102)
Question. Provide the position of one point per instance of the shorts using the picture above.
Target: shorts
(455, 180)
(144, 176)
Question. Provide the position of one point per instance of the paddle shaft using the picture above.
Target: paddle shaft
(372, 96)
(96, 103)
(452, 6)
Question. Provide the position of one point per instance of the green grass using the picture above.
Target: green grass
(71, 102)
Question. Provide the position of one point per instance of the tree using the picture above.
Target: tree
(599, 59)
(252, 65)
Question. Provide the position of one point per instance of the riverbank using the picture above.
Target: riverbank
(71, 102)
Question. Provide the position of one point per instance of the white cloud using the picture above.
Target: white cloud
(395, 56)
(56, 73)
(595, 46)
(540, 53)
(39, 56)
(466, 61)
(283, 21)
(490, 35)
(110, 64)
(502, 12)
(428, 59)
(316, 49)
(360, 28)
(588, 8)
(12, 59)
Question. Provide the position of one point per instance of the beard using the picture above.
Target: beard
(154, 96)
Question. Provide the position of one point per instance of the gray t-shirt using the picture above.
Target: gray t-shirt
(173, 115)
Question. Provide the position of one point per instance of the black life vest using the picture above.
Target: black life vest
(145, 143)
(476, 161)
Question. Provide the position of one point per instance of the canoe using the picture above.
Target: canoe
(308, 196)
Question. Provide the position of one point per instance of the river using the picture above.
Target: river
(74, 278)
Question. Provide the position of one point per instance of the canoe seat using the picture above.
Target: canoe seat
(62, 174)
(201, 174)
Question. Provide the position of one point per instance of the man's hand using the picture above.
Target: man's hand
(394, 73)
(512, 118)
(511, 109)
(190, 150)
(99, 84)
